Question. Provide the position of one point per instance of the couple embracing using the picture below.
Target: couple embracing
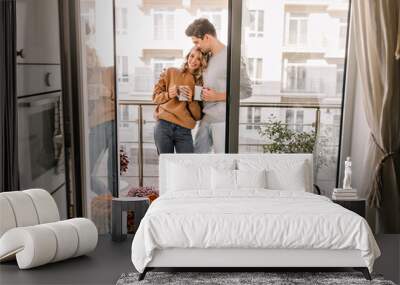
(177, 93)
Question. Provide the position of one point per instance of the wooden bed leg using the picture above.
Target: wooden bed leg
(364, 271)
(143, 274)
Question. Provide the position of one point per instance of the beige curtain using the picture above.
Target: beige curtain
(376, 35)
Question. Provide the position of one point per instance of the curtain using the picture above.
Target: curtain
(376, 34)
(8, 102)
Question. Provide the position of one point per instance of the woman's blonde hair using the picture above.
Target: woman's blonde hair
(203, 65)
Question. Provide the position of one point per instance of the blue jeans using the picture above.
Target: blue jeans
(210, 137)
(169, 137)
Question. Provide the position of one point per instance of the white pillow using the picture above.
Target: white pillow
(251, 178)
(223, 179)
(185, 177)
(292, 178)
(281, 174)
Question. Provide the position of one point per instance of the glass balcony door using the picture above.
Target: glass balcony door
(98, 110)
(150, 39)
(295, 55)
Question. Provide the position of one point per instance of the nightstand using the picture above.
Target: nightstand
(358, 206)
(120, 206)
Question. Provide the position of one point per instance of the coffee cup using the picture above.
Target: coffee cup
(198, 90)
(182, 92)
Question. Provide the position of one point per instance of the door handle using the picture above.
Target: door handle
(47, 79)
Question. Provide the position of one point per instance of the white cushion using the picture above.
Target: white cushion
(183, 177)
(245, 161)
(187, 175)
(251, 178)
(292, 178)
(40, 244)
(67, 240)
(223, 179)
(34, 244)
(23, 208)
(26, 208)
(7, 218)
(87, 234)
(46, 207)
(292, 173)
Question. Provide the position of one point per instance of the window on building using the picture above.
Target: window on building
(122, 68)
(249, 125)
(253, 118)
(295, 76)
(289, 119)
(257, 118)
(121, 21)
(255, 70)
(143, 79)
(163, 24)
(256, 25)
(159, 65)
(124, 116)
(299, 120)
(296, 29)
(215, 17)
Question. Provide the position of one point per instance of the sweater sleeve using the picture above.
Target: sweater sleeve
(195, 110)
(160, 93)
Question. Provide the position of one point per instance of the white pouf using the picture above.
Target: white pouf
(31, 232)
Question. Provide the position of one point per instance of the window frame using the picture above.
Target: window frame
(300, 17)
(121, 24)
(257, 31)
(165, 62)
(165, 33)
(255, 69)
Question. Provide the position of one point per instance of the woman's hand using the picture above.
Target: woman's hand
(172, 92)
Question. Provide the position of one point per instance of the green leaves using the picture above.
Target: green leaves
(281, 139)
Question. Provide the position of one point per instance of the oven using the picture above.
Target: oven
(41, 147)
(41, 142)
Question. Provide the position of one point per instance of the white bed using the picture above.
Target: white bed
(230, 226)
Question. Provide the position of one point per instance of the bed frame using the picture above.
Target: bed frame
(242, 259)
(256, 259)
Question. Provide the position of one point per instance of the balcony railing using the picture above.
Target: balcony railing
(135, 115)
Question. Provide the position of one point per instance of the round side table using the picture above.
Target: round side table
(120, 206)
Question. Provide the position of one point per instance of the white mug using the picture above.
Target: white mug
(182, 93)
(198, 90)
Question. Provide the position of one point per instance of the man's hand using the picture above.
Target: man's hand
(210, 95)
(172, 91)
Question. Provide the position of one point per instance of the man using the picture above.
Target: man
(211, 132)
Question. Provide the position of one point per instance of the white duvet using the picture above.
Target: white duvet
(253, 218)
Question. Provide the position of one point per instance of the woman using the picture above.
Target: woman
(176, 111)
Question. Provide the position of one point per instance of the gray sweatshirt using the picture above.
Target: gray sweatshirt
(214, 77)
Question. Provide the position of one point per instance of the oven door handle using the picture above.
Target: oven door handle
(38, 102)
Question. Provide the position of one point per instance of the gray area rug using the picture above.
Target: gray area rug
(232, 278)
